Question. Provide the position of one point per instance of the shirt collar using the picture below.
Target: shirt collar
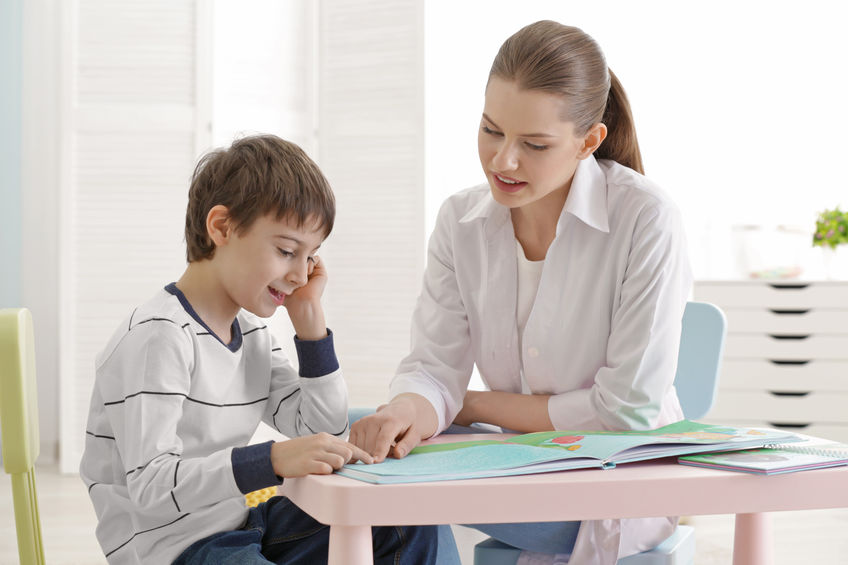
(587, 201)
(494, 215)
(587, 198)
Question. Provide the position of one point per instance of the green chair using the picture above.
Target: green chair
(699, 359)
(19, 427)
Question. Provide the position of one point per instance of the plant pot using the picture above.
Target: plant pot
(835, 260)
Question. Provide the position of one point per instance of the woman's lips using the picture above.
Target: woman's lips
(507, 184)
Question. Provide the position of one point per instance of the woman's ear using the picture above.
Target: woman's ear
(219, 225)
(592, 140)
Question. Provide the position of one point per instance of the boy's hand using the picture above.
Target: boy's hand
(318, 454)
(304, 304)
(391, 431)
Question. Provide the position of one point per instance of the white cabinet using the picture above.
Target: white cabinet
(786, 356)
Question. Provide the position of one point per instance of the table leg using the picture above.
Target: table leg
(753, 543)
(350, 545)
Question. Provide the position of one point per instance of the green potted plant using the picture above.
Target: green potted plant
(831, 228)
(831, 233)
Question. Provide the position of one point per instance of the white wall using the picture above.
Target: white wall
(40, 280)
(737, 104)
(11, 21)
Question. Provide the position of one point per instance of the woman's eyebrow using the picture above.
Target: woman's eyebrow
(491, 121)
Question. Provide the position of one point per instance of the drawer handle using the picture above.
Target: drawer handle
(790, 361)
(781, 312)
(791, 286)
(787, 393)
(788, 425)
(795, 337)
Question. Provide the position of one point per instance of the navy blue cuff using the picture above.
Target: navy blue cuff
(252, 467)
(316, 358)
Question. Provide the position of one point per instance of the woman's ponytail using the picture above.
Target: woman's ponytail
(621, 144)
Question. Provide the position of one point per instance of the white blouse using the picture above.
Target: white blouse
(604, 331)
(601, 338)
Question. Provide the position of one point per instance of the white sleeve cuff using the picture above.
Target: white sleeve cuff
(574, 411)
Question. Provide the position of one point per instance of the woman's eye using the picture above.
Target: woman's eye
(489, 131)
(536, 147)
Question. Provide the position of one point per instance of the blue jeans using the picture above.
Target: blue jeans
(277, 531)
(541, 537)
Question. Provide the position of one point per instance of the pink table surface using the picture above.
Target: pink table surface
(655, 488)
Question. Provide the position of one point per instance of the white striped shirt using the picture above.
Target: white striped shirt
(172, 410)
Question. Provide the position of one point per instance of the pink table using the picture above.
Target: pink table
(655, 488)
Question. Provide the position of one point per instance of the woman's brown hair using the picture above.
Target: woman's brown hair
(564, 60)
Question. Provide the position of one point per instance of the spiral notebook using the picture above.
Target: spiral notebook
(811, 453)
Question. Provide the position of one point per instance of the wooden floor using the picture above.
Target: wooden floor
(68, 522)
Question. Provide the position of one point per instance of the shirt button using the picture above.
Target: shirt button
(533, 352)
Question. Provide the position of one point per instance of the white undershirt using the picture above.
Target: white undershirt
(529, 275)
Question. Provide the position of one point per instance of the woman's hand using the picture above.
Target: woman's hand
(318, 454)
(396, 428)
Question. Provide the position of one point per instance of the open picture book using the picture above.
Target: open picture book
(559, 450)
(810, 453)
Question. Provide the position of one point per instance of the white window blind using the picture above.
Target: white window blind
(371, 147)
(135, 119)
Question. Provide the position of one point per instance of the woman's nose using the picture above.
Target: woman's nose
(506, 158)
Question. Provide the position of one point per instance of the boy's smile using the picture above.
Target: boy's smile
(278, 296)
(262, 266)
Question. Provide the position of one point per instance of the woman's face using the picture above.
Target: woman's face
(526, 149)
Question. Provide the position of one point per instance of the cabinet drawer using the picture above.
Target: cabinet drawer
(803, 347)
(814, 407)
(773, 295)
(834, 432)
(790, 321)
(792, 376)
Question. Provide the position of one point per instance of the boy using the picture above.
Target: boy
(186, 379)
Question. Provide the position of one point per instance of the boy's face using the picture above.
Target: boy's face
(259, 267)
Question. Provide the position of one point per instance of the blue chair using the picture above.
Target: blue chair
(701, 347)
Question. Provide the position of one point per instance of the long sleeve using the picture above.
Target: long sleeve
(439, 364)
(309, 400)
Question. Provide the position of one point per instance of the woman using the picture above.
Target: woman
(563, 279)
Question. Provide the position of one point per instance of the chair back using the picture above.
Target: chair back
(699, 359)
(19, 426)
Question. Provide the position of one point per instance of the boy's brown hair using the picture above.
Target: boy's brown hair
(256, 176)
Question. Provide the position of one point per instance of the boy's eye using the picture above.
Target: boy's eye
(311, 259)
(285, 253)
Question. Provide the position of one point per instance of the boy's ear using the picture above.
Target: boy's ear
(592, 140)
(218, 225)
